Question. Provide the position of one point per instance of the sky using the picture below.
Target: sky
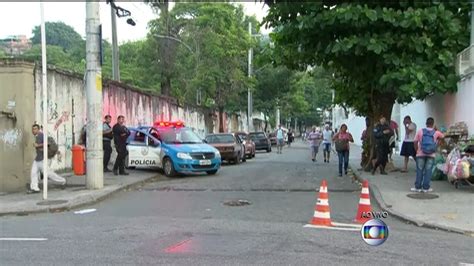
(19, 18)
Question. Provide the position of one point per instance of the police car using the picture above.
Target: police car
(172, 147)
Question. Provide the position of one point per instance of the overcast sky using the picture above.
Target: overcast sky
(19, 18)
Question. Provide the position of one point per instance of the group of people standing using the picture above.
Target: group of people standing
(118, 133)
(420, 145)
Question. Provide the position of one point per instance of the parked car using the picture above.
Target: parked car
(273, 139)
(229, 145)
(174, 148)
(249, 144)
(262, 142)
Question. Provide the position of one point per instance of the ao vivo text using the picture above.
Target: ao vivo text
(374, 215)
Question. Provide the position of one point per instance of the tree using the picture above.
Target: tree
(383, 52)
(59, 34)
(56, 56)
(223, 48)
(271, 88)
(164, 32)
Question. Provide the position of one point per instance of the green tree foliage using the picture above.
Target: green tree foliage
(135, 62)
(56, 55)
(58, 34)
(387, 52)
(379, 52)
(222, 52)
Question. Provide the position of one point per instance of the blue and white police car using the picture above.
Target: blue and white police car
(172, 147)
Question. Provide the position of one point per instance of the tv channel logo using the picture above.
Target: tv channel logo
(374, 232)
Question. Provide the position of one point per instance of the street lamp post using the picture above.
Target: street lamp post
(120, 12)
(249, 92)
(44, 69)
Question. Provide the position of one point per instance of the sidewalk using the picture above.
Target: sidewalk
(453, 210)
(75, 194)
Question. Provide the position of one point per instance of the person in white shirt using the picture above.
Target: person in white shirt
(314, 138)
(327, 140)
(408, 146)
(280, 135)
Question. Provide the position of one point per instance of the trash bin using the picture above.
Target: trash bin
(79, 159)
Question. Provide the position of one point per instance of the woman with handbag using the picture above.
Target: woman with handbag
(341, 140)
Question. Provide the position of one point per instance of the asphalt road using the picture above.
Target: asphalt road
(184, 221)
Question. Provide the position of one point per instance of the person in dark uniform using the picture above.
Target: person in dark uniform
(121, 134)
(107, 136)
(382, 134)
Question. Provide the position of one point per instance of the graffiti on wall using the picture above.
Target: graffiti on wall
(64, 117)
(11, 137)
(52, 110)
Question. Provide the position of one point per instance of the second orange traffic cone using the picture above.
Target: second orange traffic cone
(322, 214)
(364, 204)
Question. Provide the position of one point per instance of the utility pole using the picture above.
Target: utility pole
(44, 69)
(94, 155)
(115, 49)
(249, 92)
(278, 113)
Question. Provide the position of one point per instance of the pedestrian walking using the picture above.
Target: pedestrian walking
(408, 146)
(290, 137)
(314, 138)
(107, 136)
(280, 135)
(37, 167)
(341, 140)
(121, 134)
(382, 134)
(426, 141)
(327, 140)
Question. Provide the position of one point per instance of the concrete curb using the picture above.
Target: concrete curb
(80, 201)
(375, 192)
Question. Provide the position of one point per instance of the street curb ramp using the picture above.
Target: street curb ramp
(375, 192)
(81, 201)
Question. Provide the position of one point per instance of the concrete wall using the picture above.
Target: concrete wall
(21, 83)
(16, 141)
(446, 109)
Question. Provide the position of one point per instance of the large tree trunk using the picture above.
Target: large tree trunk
(221, 119)
(383, 105)
(166, 85)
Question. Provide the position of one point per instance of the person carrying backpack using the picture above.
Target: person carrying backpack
(37, 166)
(426, 142)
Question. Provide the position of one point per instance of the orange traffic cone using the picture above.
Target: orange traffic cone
(364, 204)
(321, 210)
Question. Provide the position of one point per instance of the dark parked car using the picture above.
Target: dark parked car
(262, 142)
(229, 145)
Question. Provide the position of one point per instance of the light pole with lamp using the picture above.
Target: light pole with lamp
(249, 92)
(120, 12)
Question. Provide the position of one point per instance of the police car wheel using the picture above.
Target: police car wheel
(168, 167)
(213, 172)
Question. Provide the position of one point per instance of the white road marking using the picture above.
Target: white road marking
(332, 227)
(85, 211)
(21, 239)
(465, 264)
(359, 226)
